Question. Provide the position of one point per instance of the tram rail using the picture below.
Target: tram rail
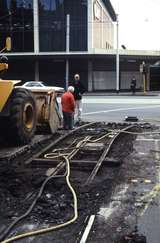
(87, 146)
(51, 158)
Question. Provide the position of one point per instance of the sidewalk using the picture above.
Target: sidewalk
(103, 93)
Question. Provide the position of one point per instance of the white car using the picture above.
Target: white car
(32, 85)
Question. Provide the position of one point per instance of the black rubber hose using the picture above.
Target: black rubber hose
(7, 231)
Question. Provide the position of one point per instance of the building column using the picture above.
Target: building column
(117, 59)
(90, 76)
(102, 30)
(36, 26)
(90, 25)
(36, 71)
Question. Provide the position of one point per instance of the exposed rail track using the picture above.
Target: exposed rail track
(87, 148)
(77, 145)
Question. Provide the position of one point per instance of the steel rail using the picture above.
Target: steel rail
(44, 150)
(54, 171)
(61, 164)
(104, 154)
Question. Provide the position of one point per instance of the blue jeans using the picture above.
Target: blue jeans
(68, 118)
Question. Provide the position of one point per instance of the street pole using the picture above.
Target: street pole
(117, 58)
(144, 77)
(144, 83)
(36, 26)
(67, 48)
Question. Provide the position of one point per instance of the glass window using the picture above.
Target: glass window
(17, 22)
(78, 24)
(51, 25)
(52, 22)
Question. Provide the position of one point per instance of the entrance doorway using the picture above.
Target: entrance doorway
(154, 78)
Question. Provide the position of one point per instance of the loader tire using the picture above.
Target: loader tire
(23, 118)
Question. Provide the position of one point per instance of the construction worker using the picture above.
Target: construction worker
(78, 92)
(68, 108)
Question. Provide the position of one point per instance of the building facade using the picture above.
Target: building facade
(43, 41)
(24, 19)
(54, 39)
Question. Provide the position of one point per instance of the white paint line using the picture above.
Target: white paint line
(120, 109)
(88, 228)
(99, 100)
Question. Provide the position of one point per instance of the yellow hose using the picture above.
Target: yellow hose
(42, 231)
(54, 155)
(140, 133)
(98, 139)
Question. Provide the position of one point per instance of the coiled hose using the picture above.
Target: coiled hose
(45, 230)
(42, 231)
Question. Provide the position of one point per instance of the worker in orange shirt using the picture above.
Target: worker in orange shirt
(68, 108)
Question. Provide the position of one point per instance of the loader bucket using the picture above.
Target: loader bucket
(48, 116)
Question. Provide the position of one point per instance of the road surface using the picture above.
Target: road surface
(116, 108)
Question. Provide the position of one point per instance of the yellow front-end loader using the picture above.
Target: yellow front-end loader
(24, 111)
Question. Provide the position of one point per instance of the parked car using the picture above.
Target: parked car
(32, 85)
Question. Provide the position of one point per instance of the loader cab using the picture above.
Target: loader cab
(3, 63)
(3, 66)
(4, 59)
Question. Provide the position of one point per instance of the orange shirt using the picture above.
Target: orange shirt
(68, 102)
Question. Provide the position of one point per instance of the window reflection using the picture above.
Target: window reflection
(52, 22)
(51, 25)
(78, 18)
(16, 21)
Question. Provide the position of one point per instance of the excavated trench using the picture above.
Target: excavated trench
(19, 187)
